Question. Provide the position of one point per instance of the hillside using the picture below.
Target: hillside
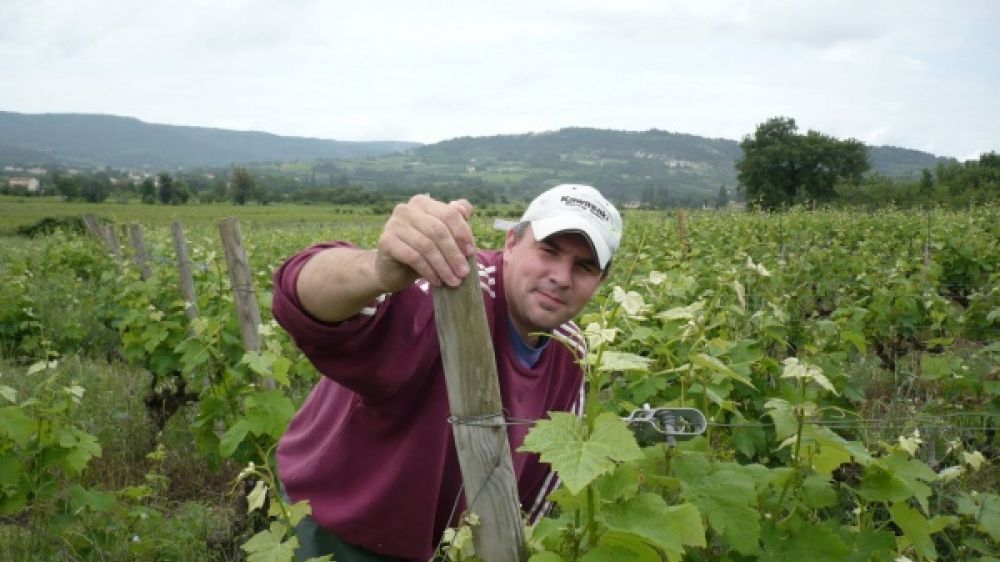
(628, 165)
(125, 142)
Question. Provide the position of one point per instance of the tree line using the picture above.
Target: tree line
(781, 167)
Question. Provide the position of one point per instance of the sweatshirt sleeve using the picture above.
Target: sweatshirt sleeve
(354, 352)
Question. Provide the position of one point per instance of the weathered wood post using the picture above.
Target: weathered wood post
(99, 233)
(244, 294)
(141, 256)
(682, 231)
(112, 241)
(184, 269)
(478, 421)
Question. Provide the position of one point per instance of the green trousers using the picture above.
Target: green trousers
(317, 541)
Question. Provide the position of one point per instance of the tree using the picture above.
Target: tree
(94, 189)
(926, 183)
(66, 186)
(723, 198)
(244, 186)
(166, 182)
(780, 166)
(147, 190)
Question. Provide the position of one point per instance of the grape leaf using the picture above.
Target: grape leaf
(667, 527)
(579, 458)
(917, 529)
(270, 546)
(728, 499)
(16, 425)
(814, 543)
(622, 361)
(985, 509)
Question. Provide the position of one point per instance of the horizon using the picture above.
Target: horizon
(652, 129)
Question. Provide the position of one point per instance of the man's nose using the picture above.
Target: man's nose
(561, 272)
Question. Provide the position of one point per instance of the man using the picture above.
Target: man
(371, 448)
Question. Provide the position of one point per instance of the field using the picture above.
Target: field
(847, 363)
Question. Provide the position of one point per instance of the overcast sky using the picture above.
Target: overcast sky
(921, 74)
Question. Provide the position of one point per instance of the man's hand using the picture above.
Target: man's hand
(425, 238)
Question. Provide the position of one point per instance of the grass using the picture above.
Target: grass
(22, 211)
(192, 517)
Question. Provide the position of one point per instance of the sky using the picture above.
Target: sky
(920, 74)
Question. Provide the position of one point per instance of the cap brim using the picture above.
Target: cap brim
(543, 228)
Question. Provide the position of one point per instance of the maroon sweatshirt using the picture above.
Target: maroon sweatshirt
(371, 447)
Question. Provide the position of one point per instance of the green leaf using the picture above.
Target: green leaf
(280, 368)
(81, 446)
(257, 496)
(748, 436)
(829, 450)
(728, 498)
(16, 425)
(270, 546)
(545, 557)
(713, 364)
(781, 412)
(297, 511)
(670, 528)
(9, 393)
(917, 529)
(269, 412)
(622, 361)
(623, 483)
(814, 543)
(97, 501)
(579, 458)
(609, 553)
(913, 473)
(818, 491)
(11, 470)
(233, 437)
(984, 508)
(631, 547)
(867, 545)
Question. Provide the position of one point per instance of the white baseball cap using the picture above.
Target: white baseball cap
(577, 208)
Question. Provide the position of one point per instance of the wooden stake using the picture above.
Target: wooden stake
(141, 256)
(482, 445)
(112, 241)
(682, 230)
(241, 280)
(184, 269)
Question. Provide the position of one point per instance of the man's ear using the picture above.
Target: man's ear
(510, 241)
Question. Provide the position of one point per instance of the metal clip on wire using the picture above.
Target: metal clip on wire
(666, 424)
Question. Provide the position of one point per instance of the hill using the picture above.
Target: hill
(126, 142)
(628, 165)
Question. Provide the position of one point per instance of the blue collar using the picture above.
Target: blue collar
(527, 355)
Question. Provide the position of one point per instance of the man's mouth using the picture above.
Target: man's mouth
(550, 297)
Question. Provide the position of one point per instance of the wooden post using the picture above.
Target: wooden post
(241, 280)
(927, 243)
(112, 241)
(141, 256)
(479, 425)
(682, 231)
(99, 233)
(184, 268)
(93, 226)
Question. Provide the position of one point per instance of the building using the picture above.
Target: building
(31, 185)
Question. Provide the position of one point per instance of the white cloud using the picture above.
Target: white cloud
(915, 73)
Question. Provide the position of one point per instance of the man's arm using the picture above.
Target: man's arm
(422, 238)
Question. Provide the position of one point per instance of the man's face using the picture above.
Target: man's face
(548, 282)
